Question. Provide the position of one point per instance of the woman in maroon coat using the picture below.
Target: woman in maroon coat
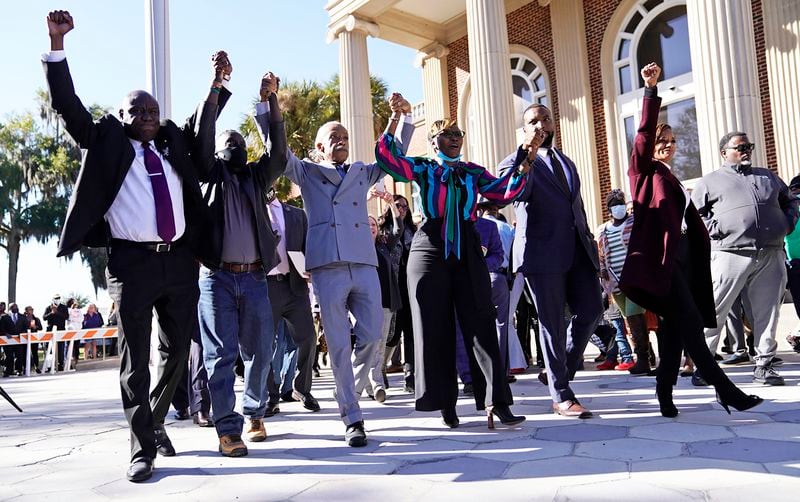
(667, 269)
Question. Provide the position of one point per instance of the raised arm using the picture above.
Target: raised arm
(270, 121)
(506, 188)
(645, 142)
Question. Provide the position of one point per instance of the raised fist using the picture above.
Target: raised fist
(650, 74)
(397, 103)
(222, 65)
(269, 85)
(59, 23)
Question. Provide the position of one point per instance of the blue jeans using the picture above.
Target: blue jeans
(235, 318)
(284, 362)
(622, 347)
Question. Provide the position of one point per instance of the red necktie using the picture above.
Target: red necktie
(165, 219)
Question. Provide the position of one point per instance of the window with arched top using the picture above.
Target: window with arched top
(658, 31)
(529, 84)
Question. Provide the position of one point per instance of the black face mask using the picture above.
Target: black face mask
(235, 158)
(548, 141)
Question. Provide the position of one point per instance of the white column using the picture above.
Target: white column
(782, 32)
(725, 75)
(433, 61)
(576, 123)
(157, 63)
(356, 97)
(490, 77)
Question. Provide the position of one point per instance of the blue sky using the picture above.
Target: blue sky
(106, 55)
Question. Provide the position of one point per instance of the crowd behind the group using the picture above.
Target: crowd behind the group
(464, 293)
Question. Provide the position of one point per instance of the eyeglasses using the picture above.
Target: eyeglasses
(743, 148)
(667, 141)
(451, 133)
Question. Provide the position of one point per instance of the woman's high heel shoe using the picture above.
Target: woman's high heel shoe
(449, 418)
(502, 412)
(665, 404)
(741, 402)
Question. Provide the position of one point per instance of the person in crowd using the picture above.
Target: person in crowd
(618, 346)
(447, 274)
(748, 212)
(56, 315)
(288, 296)
(111, 321)
(792, 244)
(558, 259)
(238, 248)
(137, 195)
(12, 324)
(282, 372)
(91, 320)
(667, 268)
(34, 324)
(403, 327)
(74, 323)
(737, 337)
(342, 261)
(613, 237)
(389, 250)
(191, 398)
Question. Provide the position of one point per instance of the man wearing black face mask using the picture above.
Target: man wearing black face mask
(237, 249)
(748, 211)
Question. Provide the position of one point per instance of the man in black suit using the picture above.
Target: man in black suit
(288, 295)
(13, 323)
(137, 195)
(56, 315)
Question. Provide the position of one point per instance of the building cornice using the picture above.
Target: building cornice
(352, 23)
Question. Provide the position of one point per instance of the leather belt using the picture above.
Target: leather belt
(278, 277)
(158, 247)
(238, 268)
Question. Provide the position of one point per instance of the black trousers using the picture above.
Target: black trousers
(439, 288)
(793, 281)
(192, 389)
(681, 326)
(296, 311)
(140, 280)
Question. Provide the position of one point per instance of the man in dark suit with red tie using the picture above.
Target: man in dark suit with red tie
(137, 195)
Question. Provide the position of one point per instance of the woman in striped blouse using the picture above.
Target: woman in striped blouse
(447, 274)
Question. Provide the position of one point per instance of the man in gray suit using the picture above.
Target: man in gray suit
(341, 259)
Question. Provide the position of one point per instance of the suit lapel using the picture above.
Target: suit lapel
(548, 173)
(330, 172)
(573, 173)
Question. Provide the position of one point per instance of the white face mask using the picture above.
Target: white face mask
(619, 211)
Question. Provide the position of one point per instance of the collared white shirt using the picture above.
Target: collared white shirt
(279, 226)
(132, 215)
(542, 152)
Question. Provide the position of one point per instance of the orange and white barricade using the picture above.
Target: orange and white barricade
(52, 338)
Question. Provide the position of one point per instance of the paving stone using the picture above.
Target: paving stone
(629, 449)
(792, 416)
(568, 470)
(681, 433)
(785, 468)
(398, 488)
(694, 473)
(615, 491)
(785, 431)
(518, 450)
(755, 450)
(423, 450)
(717, 416)
(582, 432)
(775, 490)
(457, 469)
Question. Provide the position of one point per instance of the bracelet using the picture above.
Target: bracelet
(215, 90)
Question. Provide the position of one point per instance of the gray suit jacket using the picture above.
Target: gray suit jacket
(338, 225)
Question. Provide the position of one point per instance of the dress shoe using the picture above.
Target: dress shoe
(231, 445)
(256, 432)
(355, 435)
(543, 377)
(738, 358)
(288, 397)
(665, 403)
(571, 408)
(163, 444)
(380, 395)
(141, 469)
(641, 367)
(766, 375)
(468, 390)
(202, 419)
(737, 399)
(450, 418)
(511, 379)
(182, 414)
(717, 357)
(395, 368)
(309, 402)
(698, 380)
(272, 409)
(503, 412)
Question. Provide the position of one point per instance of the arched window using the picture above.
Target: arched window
(657, 31)
(529, 84)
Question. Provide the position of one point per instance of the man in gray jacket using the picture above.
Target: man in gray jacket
(748, 211)
(340, 255)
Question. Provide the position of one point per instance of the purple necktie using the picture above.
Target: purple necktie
(165, 220)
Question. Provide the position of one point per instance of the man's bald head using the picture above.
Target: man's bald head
(139, 113)
(333, 142)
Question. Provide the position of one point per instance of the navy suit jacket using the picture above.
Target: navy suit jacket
(549, 220)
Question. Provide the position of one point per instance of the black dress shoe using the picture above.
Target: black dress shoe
(697, 380)
(141, 469)
(309, 402)
(543, 377)
(468, 390)
(739, 358)
(511, 379)
(202, 419)
(182, 414)
(163, 444)
(288, 397)
(450, 418)
(355, 435)
(665, 403)
(272, 409)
